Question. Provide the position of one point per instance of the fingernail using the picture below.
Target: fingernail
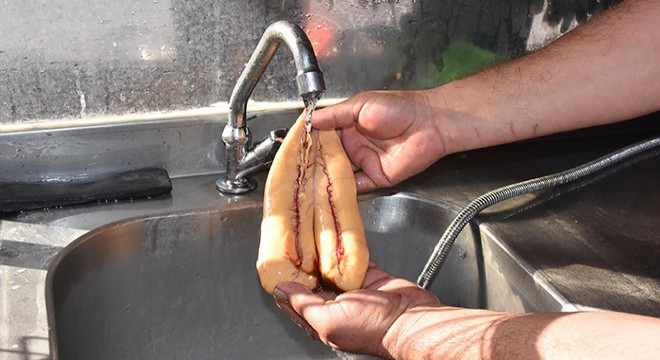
(279, 295)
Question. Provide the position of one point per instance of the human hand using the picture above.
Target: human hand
(358, 321)
(394, 319)
(388, 135)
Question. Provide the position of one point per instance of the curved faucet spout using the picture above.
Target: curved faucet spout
(308, 77)
(309, 80)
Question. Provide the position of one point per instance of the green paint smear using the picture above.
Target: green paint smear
(461, 59)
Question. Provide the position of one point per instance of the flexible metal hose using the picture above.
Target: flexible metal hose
(491, 198)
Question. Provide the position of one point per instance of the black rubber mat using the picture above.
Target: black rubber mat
(51, 192)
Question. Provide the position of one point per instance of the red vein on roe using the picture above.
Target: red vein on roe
(301, 183)
(339, 248)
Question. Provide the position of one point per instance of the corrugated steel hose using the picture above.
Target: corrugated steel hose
(491, 198)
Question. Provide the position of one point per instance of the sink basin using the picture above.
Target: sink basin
(184, 285)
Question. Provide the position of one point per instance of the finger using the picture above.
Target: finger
(406, 288)
(326, 295)
(379, 279)
(304, 302)
(301, 298)
(374, 275)
(282, 300)
(366, 157)
(364, 183)
(372, 174)
(395, 284)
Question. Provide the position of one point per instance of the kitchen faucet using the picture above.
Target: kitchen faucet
(242, 161)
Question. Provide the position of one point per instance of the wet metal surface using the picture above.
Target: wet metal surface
(592, 246)
(25, 254)
(184, 285)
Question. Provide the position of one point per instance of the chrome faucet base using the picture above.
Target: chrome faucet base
(236, 186)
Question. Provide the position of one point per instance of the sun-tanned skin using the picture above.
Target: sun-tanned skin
(394, 318)
(604, 71)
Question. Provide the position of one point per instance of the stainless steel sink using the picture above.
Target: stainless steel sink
(184, 285)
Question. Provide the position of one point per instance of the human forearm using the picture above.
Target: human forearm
(604, 71)
(394, 318)
(452, 333)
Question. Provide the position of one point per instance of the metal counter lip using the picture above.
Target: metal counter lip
(532, 272)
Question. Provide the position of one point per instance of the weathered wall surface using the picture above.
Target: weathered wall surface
(82, 58)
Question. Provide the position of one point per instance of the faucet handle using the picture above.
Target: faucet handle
(257, 159)
(264, 150)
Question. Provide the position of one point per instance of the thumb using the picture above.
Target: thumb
(341, 115)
